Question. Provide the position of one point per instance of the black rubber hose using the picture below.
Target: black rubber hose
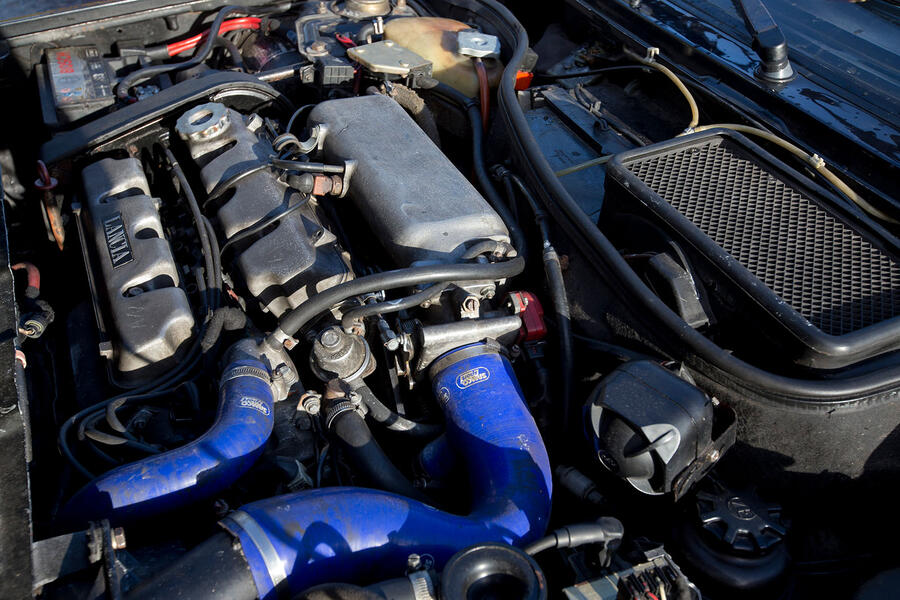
(558, 295)
(367, 457)
(236, 59)
(296, 319)
(392, 306)
(216, 569)
(478, 164)
(606, 530)
(226, 318)
(200, 55)
(383, 415)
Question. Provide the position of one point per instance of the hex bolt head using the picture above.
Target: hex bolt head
(413, 562)
(330, 338)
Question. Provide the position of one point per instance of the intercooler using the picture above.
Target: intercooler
(776, 252)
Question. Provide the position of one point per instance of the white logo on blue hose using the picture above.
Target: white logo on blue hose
(444, 395)
(471, 377)
(255, 404)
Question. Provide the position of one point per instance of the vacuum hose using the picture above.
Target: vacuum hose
(197, 470)
(293, 542)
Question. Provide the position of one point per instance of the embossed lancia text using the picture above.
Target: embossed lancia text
(117, 241)
(471, 377)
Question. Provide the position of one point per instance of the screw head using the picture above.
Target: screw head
(330, 338)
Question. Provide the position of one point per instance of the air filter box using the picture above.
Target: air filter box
(789, 270)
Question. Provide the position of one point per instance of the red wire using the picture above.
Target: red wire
(34, 276)
(176, 48)
(345, 41)
(485, 92)
(652, 596)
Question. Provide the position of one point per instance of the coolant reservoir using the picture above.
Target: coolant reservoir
(434, 39)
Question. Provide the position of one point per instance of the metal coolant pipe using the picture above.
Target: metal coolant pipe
(299, 540)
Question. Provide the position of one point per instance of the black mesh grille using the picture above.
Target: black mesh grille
(824, 270)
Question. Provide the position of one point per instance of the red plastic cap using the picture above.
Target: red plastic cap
(523, 80)
(529, 309)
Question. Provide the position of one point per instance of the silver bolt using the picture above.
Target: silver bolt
(118, 538)
(714, 455)
(413, 562)
(330, 338)
(311, 403)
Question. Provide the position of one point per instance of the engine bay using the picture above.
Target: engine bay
(395, 299)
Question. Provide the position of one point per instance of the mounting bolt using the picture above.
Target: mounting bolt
(311, 402)
(330, 338)
(413, 562)
(118, 538)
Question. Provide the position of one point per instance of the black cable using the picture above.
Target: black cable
(68, 423)
(296, 319)
(261, 225)
(290, 123)
(470, 106)
(217, 264)
(592, 72)
(224, 186)
(153, 389)
(392, 306)
(87, 430)
(213, 287)
(200, 55)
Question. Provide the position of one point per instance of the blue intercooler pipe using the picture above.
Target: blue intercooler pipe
(197, 470)
(299, 540)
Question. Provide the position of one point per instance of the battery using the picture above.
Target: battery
(77, 82)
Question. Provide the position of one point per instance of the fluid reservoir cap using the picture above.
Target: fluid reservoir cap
(478, 45)
(741, 522)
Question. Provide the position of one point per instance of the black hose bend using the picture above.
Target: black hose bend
(295, 320)
(367, 457)
(383, 415)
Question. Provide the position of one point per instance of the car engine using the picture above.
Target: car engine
(383, 299)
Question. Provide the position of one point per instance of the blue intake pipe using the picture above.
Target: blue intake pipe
(338, 534)
(196, 470)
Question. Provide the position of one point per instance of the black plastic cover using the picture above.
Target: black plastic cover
(653, 428)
